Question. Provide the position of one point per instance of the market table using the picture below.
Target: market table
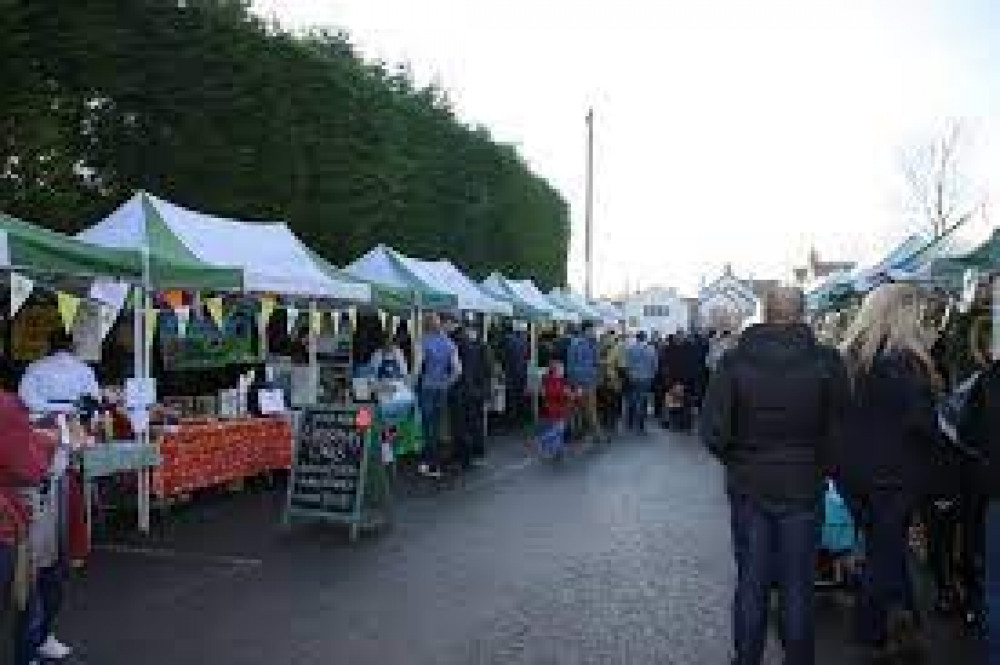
(112, 458)
(198, 454)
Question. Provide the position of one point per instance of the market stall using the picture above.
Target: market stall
(208, 344)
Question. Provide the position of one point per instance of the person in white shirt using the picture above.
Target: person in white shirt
(55, 385)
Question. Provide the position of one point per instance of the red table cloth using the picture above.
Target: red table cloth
(201, 454)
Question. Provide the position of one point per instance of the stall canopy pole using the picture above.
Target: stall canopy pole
(485, 337)
(144, 353)
(418, 341)
(313, 360)
(533, 327)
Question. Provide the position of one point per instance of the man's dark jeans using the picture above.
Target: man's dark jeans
(433, 402)
(638, 404)
(774, 543)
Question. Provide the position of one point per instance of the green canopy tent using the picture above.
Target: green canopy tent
(565, 300)
(385, 267)
(384, 297)
(983, 259)
(499, 287)
(30, 248)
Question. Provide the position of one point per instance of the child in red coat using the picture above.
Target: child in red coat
(557, 404)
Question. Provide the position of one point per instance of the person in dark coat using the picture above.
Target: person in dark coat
(661, 382)
(772, 413)
(888, 457)
(467, 400)
(980, 429)
(516, 356)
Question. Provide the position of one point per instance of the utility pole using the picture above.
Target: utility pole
(589, 211)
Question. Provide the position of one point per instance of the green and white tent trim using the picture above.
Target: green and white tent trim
(501, 288)
(267, 255)
(385, 267)
(29, 248)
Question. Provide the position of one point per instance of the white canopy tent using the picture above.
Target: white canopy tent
(531, 294)
(272, 258)
(612, 313)
(471, 297)
(586, 310)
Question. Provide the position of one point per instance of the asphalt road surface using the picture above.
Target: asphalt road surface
(619, 555)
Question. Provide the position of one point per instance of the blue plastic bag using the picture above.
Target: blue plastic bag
(838, 534)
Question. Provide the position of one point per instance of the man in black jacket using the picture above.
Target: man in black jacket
(771, 414)
(468, 397)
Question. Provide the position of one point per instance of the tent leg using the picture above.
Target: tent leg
(313, 356)
(141, 358)
(418, 341)
(535, 407)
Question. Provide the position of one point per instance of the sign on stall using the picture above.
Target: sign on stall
(271, 401)
(334, 475)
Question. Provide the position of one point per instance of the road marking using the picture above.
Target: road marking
(177, 555)
(500, 474)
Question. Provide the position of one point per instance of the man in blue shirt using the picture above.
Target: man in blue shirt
(640, 365)
(440, 368)
(582, 374)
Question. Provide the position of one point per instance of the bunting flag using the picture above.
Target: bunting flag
(316, 322)
(183, 315)
(216, 311)
(20, 289)
(291, 316)
(267, 305)
(152, 317)
(106, 317)
(68, 305)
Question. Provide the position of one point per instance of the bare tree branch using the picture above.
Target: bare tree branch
(938, 188)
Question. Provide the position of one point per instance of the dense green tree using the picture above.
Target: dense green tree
(203, 103)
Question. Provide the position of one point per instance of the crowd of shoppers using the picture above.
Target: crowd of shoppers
(792, 420)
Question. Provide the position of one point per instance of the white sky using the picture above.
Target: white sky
(727, 131)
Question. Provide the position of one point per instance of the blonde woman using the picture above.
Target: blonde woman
(888, 454)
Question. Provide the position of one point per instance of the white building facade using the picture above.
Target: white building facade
(658, 310)
(727, 303)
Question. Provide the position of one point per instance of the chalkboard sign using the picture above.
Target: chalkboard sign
(333, 473)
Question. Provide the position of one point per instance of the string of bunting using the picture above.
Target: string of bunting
(68, 305)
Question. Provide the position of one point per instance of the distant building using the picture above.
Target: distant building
(815, 270)
(729, 302)
(657, 309)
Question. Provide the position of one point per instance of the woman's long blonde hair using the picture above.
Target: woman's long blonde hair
(890, 319)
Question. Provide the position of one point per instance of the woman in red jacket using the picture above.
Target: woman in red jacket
(25, 455)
